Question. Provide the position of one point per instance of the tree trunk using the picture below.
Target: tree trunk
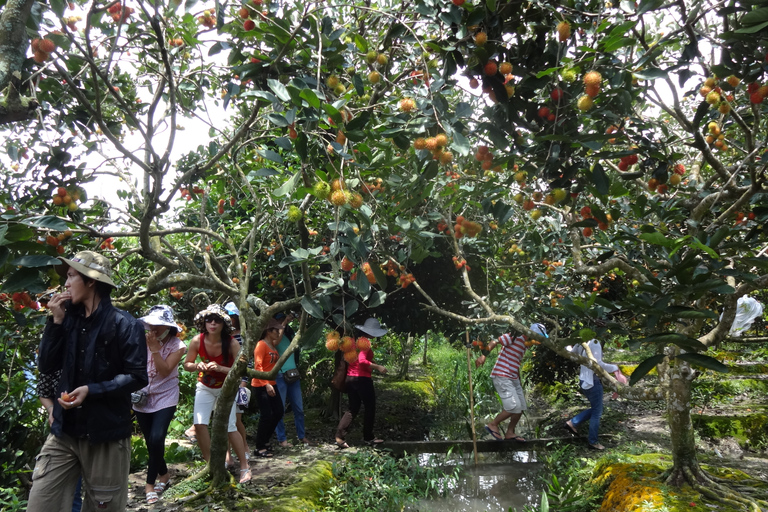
(424, 356)
(685, 462)
(407, 351)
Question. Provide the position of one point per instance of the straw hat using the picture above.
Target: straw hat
(89, 264)
(215, 310)
(372, 328)
(159, 315)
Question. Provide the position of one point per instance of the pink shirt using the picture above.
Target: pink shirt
(361, 367)
(162, 392)
(508, 363)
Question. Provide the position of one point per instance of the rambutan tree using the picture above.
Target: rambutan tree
(597, 164)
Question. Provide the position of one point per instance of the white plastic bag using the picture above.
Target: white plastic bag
(748, 309)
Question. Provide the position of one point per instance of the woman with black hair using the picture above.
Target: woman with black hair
(155, 405)
(359, 385)
(217, 349)
(265, 357)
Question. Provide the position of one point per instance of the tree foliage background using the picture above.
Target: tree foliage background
(596, 166)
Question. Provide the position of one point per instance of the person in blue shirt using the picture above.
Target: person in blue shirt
(289, 385)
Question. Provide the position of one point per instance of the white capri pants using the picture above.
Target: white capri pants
(205, 399)
(511, 393)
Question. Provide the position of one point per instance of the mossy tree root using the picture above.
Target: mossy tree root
(706, 486)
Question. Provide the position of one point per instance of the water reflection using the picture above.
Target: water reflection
(499, 482)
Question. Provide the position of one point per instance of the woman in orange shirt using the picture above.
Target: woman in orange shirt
(270, 405)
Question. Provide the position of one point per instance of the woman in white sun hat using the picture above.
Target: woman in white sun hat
(155, 405)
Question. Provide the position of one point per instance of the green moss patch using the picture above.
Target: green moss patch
(304, 494)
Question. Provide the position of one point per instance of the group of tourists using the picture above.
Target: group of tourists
(97, 363)
(506, 381)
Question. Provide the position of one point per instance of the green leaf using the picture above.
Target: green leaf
(755, 16)
(279, 89)
(58, 6)
(310, 97)
(311, 307)
(657, 238)
(648, 5)
(278, 120)
(23, 279)
(644, 367)
(752, 29)
(287, 187)
(48, 222)
(311, 334)
(705, 361)
(586, 334)
(651, 74)
(698, 245)
(600, 179)
(37, 260)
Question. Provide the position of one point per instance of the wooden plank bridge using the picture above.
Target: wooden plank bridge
(465, 445)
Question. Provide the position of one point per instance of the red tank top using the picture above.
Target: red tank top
(211, 379)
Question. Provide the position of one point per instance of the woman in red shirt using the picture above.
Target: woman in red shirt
(217, 349)
(359, 384)
(270, 404)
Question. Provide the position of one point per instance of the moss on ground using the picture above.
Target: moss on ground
(305, 494)
(749, 430)
(636, 486)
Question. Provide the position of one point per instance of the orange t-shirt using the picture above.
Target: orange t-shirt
(264, 358)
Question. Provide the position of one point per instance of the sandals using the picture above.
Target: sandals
(152, 498)
(341, 445)
(571, 430)
(517, 439)
(245, 475)
(496, 435)
(264, 454)
(160, 487)
(374, 442)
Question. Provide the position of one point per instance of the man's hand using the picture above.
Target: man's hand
(56, 306)
(620, 377)
(74, 398)
(480, 361)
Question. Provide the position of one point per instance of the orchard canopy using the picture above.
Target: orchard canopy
(593, 165)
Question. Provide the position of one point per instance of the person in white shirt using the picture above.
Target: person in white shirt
(591, 386)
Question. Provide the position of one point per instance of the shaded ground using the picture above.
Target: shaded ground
(403, 413)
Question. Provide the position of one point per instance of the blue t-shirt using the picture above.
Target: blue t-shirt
(290, 363)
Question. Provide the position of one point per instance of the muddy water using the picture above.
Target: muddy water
(496, 484)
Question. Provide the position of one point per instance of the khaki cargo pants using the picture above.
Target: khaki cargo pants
(103, 466)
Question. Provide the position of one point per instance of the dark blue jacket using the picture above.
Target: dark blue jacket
(116, 363)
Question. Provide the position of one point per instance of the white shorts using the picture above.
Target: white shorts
(511, 393)
(205, 399)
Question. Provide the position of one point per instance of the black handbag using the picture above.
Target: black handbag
(291, 376)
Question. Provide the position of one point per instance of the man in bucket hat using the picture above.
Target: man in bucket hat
(101, 352)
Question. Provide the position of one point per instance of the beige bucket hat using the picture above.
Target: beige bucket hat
(89, 264)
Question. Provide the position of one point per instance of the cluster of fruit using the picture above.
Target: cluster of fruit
(275, 282)
(586, 213)
(419, 75)
(120, 12)
(551, 266)
(460, 263)
(485, 157)
(187, 194)
(481, 346)
(515, 249)
(757, 93)
(176, 42)
(20, 301)
(742, 218)
(377, 185)
(71, 21)
(436, 145)
(592, 81)
(442, 227)
(273, 248)
(107, 244)
(716, 137)
(348, 345)
(223, 202)
(406, 280)
(176, 294)
(42, 49)
(626, 161)
(57, 241)
(246, 13)
(464, 227)
(530, 343)
(338, 194)
(335, 85)
(207, 19)
(713, 94)
(68, 198)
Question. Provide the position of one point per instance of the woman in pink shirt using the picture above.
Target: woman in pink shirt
(155, 405)
(359, 385)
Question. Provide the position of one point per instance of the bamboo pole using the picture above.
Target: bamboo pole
(471, 397)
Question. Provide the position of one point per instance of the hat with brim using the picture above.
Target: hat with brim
(159, 315)
(539, 329)
(90, 264)
(231, 309)
(372, 327)
(215, 310)
(274, 324)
